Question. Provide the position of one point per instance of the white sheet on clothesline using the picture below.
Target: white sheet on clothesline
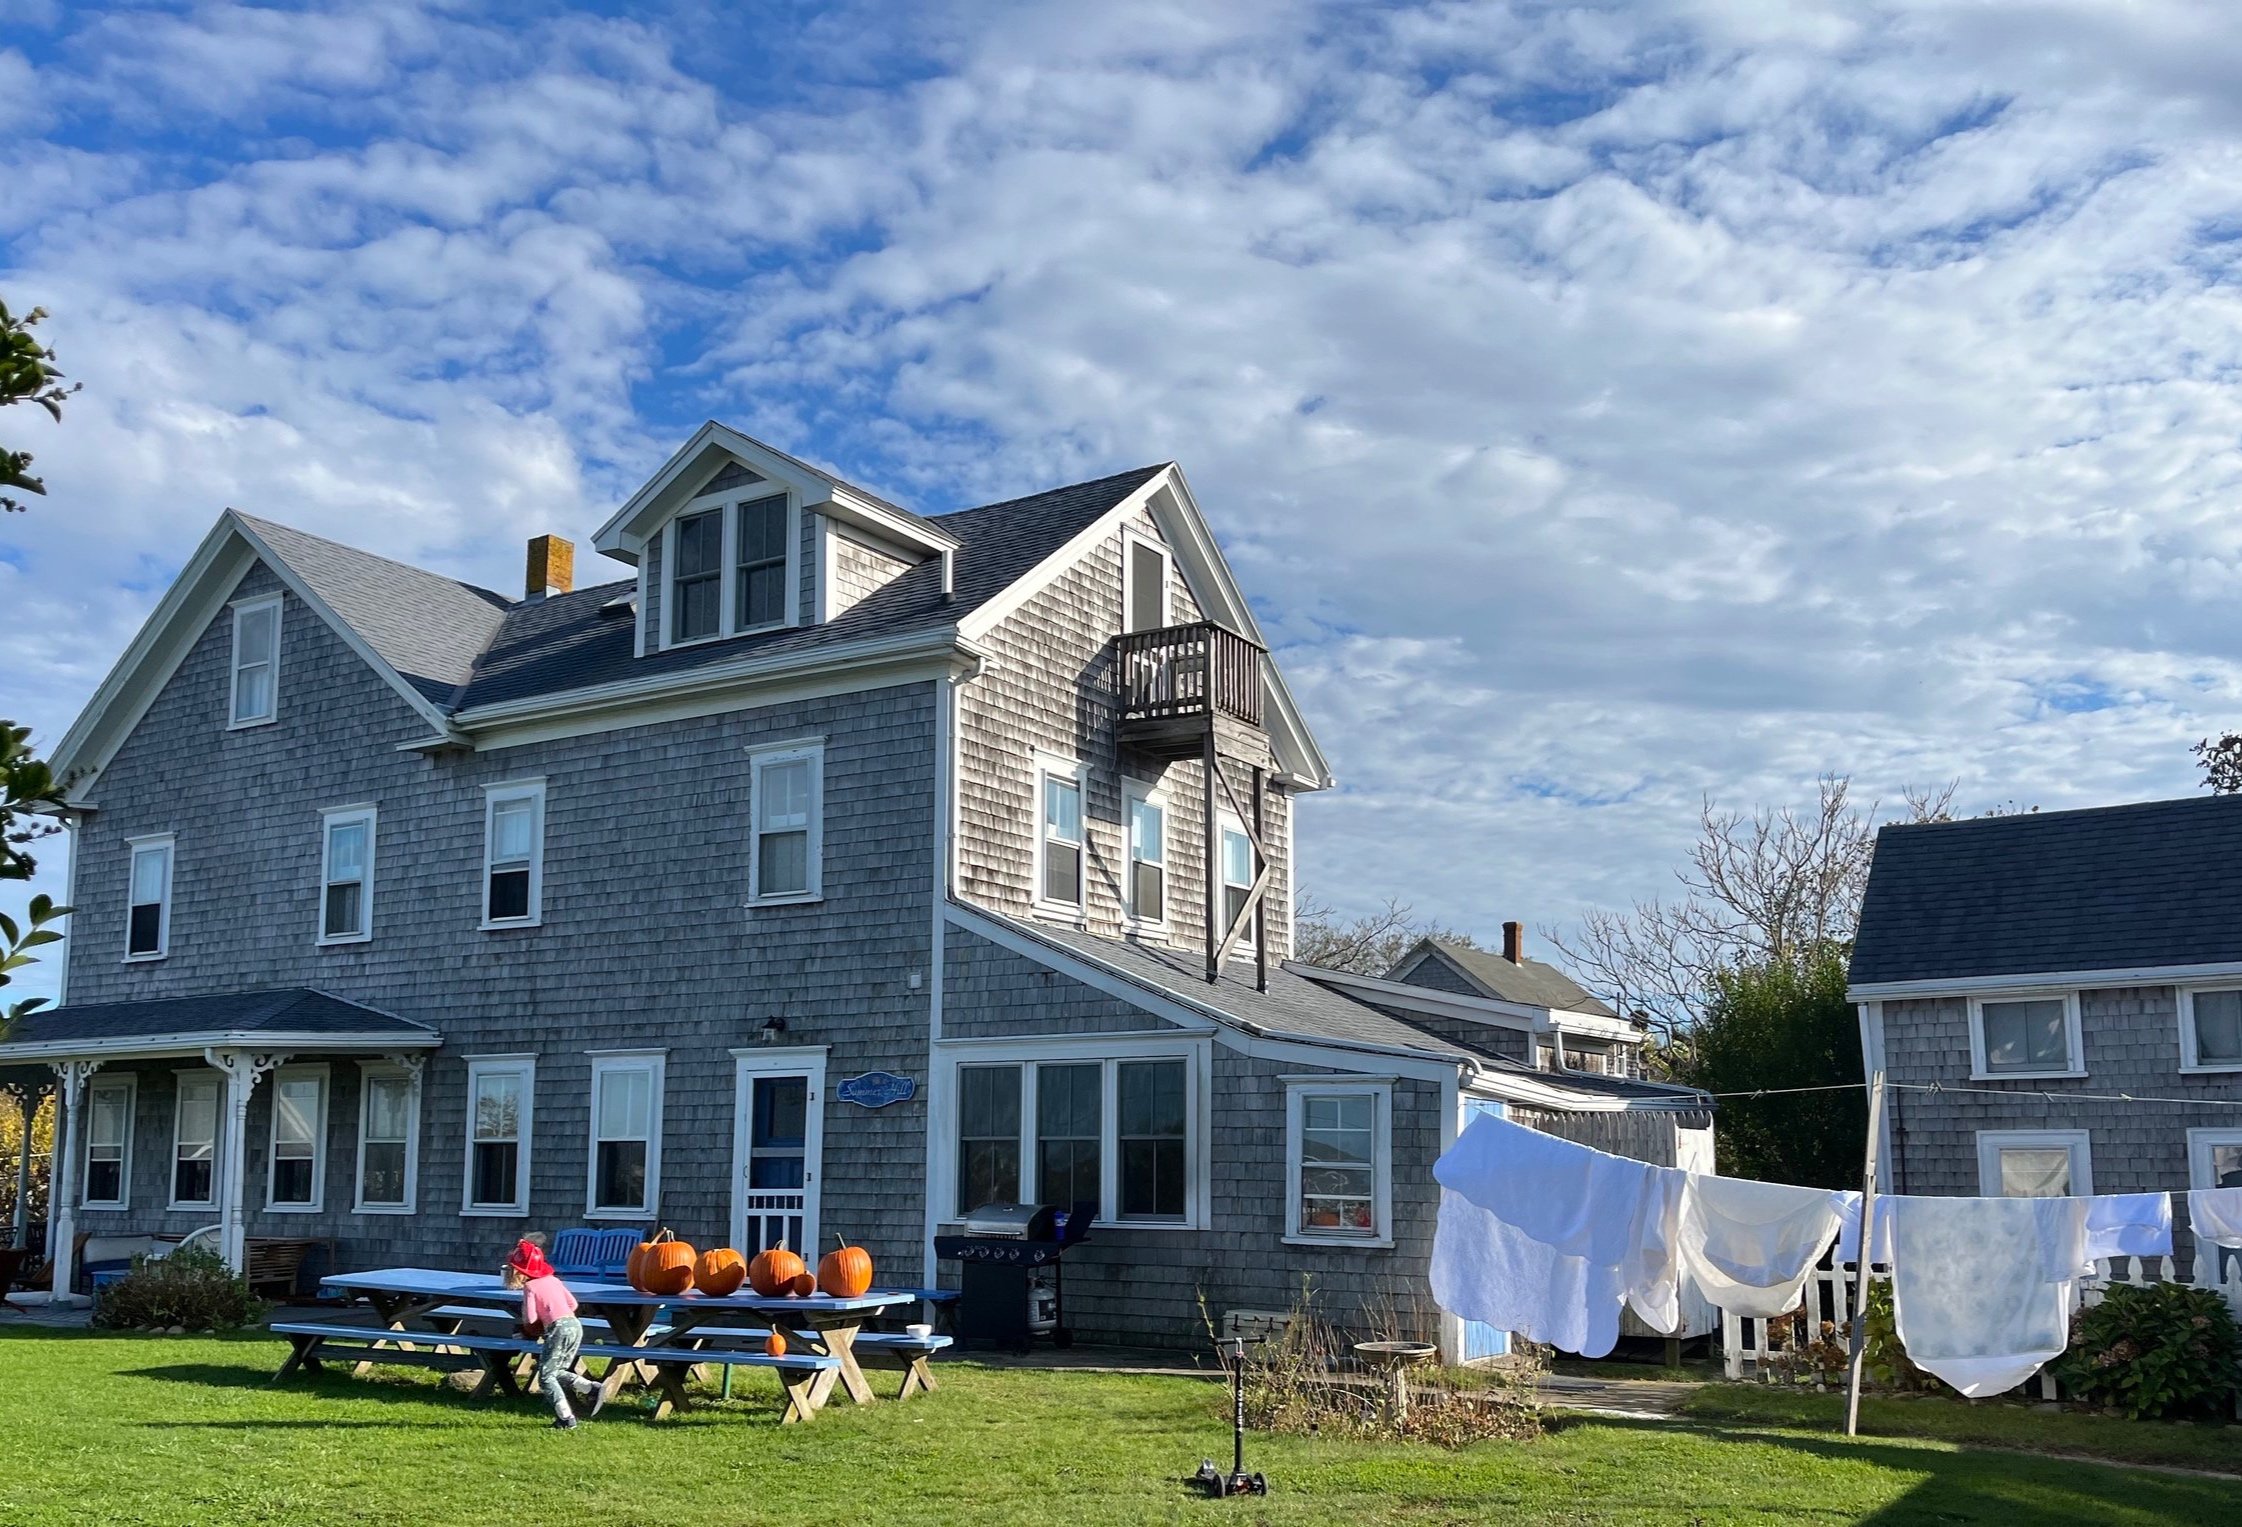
(1982, 1287)
(2128, 1225)
(1749, 1245)
(2215, 1215)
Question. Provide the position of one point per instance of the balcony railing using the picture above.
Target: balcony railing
(1182, 672)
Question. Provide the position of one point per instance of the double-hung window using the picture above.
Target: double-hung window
(729, 564)
(388, 1139)
(194, 1142)
(1148, 856)
(626, 1160)
(762, 537)
(148, 900)
(297, 1174)
(499, 1095)
(1338, 1161)
(346, 875)
(514, 854)
(108, 1160)
(2215, 1158)
(2211, 1028)
(1235, 849)
(1114, 1132)
(1059, 842)
(786, 787)
(254, 697)
(2034, 1163)
(2026, 1036)
(696, 590)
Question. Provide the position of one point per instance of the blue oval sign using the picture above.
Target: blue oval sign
(877, 1089)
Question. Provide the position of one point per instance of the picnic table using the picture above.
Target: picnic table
(658, 1338)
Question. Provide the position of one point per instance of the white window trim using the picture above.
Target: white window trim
(656, 1064)
(196, 1076)
(2188, 1060)
(1134, 791)
(241, 609)
(1131, 538)
(477, 1067)
(129, 1085)
(1297, 1090)
(1195, 1053)
(759, 758)
(2201, 1142)
(533, 791)
(150, 843)
(329, 819)
(2074, 1038)
(370, 1071)
(1227, 821)
(1991, 1142)
(1059, 766)
(727, 597)
(318, 1203)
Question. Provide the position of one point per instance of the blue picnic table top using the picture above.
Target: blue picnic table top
(489, 1288)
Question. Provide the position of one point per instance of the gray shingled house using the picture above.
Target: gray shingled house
(2031, 959)
(835, 870)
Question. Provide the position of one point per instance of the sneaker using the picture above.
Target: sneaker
(564, 1423)
(599, 1402)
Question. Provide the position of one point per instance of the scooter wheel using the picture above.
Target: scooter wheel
(1260, 1485)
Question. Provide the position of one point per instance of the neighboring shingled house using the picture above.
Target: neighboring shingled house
(2032, 959)
(1595, 1039)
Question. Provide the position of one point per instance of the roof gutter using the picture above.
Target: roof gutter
(2038, 980)
(148, 1046)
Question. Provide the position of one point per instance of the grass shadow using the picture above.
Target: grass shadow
(336, 1384)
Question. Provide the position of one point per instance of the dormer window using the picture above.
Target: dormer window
(730, 566)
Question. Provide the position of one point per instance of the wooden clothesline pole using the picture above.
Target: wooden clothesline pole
(1864, 1253)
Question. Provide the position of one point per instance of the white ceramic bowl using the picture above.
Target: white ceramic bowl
(918, 1332)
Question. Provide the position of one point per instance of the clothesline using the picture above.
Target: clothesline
(1998, 1092)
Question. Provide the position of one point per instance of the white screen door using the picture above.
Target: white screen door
(778, 1137)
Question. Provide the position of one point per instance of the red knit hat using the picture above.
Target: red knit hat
(529, 1260)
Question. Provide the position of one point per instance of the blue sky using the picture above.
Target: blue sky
(1605, 405)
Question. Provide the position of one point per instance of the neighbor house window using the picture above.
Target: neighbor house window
(514, 854)
(2215, 1161)
(1078, 1127)
(1145, 572)
(388, 1140)
(763, 528)
(148, 909)
(1236, 851)
(2026, 1036)
(2028, 1163)
(988, 1135)
(1148, 856)
(256, 666)
(499, 1094)
(626, 1160)
(298, 1169)
(1059, 840)
(786, 786)
(696, 588)
(2211, 1029)
(108, 1162)
(194, 1142)
(346, 875)
(1338, 1160)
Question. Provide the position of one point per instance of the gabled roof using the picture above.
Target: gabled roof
(2117, 888)
(1529, 981)
(296, 1015)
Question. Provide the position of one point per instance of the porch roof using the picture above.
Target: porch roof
(294, 1018)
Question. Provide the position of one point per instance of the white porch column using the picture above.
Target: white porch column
(241, 1068)
(62, 1180)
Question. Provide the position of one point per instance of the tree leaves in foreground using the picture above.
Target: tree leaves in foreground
(28, 374)
(29, 799)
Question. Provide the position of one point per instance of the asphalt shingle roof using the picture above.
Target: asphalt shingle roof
(1532, 982)
(2108, 889)
(284, 1010)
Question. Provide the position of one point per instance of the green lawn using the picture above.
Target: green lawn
(101, 1429)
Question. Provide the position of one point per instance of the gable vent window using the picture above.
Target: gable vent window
(785, 787)
(256, 666)
(1059, 841)
(346, 897)
(697, 584)
(148, 913)
(513, 854)
(1146, 574)
(762, 572)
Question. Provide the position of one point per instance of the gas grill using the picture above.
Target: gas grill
(1011, 1286)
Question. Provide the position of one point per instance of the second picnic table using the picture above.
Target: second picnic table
(661, 1335)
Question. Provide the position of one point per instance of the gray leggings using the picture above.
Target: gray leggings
(556, 1363)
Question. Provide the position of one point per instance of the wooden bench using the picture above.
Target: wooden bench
(796, 1371)
(314, 1341)
(276, 1260)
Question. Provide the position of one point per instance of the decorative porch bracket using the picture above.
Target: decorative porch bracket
(62, 1178)
(242, 1070)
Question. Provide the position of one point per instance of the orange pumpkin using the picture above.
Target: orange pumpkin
(774, 1345)
(666, 1266)
(772, 1273)
(634, 1264)
(720, 1272)
(802, 1284)
(844, 1272)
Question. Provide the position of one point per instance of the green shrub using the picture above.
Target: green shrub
(190, 1288)
(2154, 1349)
(1883, 1359)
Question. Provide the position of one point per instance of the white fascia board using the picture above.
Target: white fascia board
(1512, 1087)
(1594, 1025)
(2083, 980)
(142, 1047)
(852, 508)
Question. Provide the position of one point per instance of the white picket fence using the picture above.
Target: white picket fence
(1746, 1352)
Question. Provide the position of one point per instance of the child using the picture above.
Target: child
(549, 1311)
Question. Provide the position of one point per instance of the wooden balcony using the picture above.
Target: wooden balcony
(1177, 681)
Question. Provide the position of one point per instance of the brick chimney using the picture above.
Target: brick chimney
(1514, 943)
(552, 567)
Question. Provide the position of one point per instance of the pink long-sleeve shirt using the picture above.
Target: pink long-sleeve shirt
(545, 1300)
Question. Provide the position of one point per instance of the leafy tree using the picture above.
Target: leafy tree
(27, 375)
(1784, 1023)
(1368, 945)
(29, 797)
(2221, 762)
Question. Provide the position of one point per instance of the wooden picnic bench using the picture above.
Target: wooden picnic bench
(799, 1372)
(894, 1351)
(315, 1342)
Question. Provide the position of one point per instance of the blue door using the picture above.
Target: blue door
(1481, 1340)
